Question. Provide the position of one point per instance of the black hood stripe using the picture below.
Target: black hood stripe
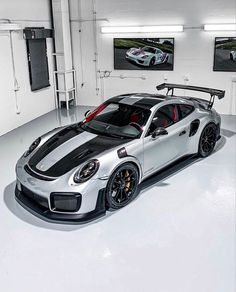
(54, 142)
(83, 153)
(80, 155)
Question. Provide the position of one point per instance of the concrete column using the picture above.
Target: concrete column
(63, 45)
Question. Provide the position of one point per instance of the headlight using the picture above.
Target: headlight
(33, 146)
(87, 171)
(144, 57)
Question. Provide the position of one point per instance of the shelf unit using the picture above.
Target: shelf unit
(68, 93)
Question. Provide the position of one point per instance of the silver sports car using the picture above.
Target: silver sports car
(75, 173)
(147, 56)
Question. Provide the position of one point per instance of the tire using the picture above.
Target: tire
(166, 60)
(122, 186)
(152, 62)
(207, 140)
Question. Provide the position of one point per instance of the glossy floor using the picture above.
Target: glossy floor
(177, 236)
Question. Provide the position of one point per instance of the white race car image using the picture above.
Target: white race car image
(147, 56)
(233, 55)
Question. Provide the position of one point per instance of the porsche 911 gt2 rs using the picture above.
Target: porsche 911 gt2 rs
(75, 173)
(147, 56)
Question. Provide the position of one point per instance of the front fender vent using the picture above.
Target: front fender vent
(194, 127)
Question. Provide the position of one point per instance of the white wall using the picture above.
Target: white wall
(194, 48)
(31, 104)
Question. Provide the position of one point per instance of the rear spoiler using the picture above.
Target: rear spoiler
(213, 92)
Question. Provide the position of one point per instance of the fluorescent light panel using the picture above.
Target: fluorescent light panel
(140, 29)
(220, 27)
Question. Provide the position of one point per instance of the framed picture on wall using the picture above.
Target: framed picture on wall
(225, 54)
(143, 53)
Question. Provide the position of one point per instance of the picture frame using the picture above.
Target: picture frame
(152, 54)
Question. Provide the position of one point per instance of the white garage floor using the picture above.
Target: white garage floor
(177, 236)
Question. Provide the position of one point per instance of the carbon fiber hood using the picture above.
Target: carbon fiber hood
(69, 148)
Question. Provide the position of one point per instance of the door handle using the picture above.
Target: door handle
(182, 133)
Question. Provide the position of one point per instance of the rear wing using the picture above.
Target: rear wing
(213, 92)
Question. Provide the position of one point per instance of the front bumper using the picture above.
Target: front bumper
(40, 209)
(34, 194)
(138, 61)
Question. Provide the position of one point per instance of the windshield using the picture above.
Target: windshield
(149, 50)
(117, 120)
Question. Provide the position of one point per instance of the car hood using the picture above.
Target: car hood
(139, 52)
(69, 148)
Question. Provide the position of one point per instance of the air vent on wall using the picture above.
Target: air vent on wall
(32, 33)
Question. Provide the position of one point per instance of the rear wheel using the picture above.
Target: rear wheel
(166, 59)
(207, 140)
(122, 186)
(231, 57)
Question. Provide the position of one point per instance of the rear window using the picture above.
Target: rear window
(185, 110)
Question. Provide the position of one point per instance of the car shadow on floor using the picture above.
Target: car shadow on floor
(227, 133)
(158, 179)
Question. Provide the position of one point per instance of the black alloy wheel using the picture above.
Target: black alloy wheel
(122, 186)
(152, 62)
(207, 140)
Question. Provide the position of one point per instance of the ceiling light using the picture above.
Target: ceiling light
(220, 27)
(142, 29)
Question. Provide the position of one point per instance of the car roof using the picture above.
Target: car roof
(143, 100)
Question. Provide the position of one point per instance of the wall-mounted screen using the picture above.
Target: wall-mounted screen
(143, 53)
(225, 54)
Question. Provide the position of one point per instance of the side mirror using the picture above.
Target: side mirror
(87, 113)
(159, 132)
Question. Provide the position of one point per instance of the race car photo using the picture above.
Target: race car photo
(147, 56)
(225, 54)
(143, 53)
(233, 55)
(77, 173)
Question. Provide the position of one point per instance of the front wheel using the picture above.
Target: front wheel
(122, 186)
(207, 140)
(152, 62)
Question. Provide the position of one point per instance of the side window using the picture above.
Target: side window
(164, 117)
(185, 110)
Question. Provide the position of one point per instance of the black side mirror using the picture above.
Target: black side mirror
(87, 113)
(159, 132)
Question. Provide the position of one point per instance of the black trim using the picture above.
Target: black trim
(54, 142)
(122, 152)
(76, 157)
(36, 175)
(213, 92)
(49, 216)
(57, 196)
(83, 153)
(180, 110)
(194, 127)
(35, 198)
